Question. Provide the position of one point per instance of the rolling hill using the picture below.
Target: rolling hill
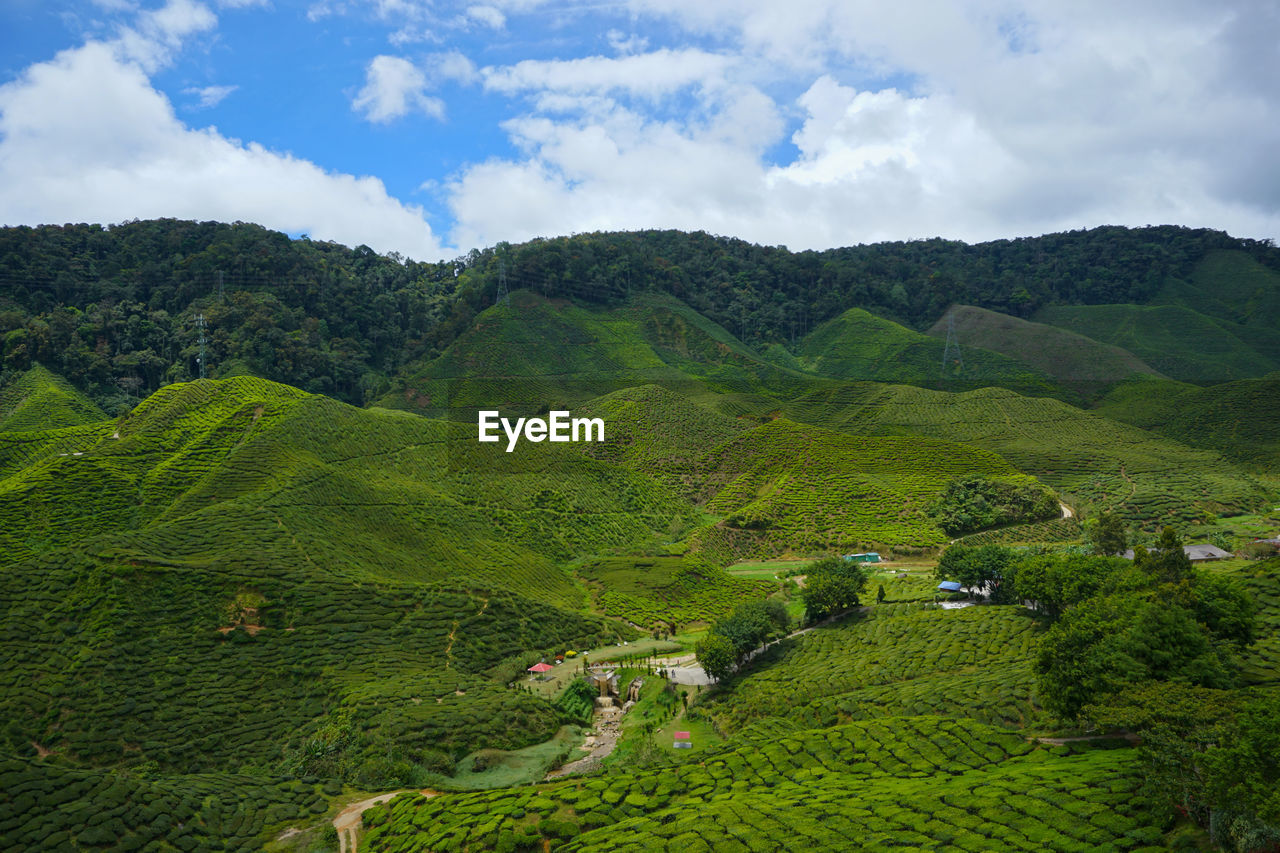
(1074, 361)
(39, 400)
(235, 605)
(1094, 462)
(858, 345)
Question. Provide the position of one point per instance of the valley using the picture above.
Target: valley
(234, 607)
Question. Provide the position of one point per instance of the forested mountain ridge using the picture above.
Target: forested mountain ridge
(113, 310)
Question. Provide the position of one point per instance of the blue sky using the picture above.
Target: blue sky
(429, 127)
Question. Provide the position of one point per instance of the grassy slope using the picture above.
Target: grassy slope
(828, 753)
(246, 472)
(655, 591)
(536, 354)
(39, 400)
(858, 345)
(1093, 461)
(1177, 341)
(786, 487)
(378, 560)
(1219, 325)
(1232, 286)
(1071, 359)
(1238, 418)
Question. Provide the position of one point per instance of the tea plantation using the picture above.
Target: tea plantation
(239, 606)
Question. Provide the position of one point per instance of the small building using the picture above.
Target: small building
(868, 557)
(684, 740)
(539, 668)
(1195, 553)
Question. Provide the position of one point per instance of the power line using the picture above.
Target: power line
(951, 352)
(204, 341)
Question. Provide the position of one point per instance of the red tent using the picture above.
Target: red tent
(540, 667)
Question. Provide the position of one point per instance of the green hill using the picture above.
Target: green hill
(534, 354)
(1230, 285)
(858, 345)
(39, 400)
(1077, 362)
(1092, 461)
(1179, 342)
(246, 470)
(1239, 418)
(791, 489)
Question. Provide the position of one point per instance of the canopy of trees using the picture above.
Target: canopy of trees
(113, 309)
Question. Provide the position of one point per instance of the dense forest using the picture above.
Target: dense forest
(114, 309)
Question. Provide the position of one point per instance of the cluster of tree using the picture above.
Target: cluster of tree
(832, 585)
(1152, 646)
(732, 639)
(1212, 755)
(1154, 620)
(978, 503)
(113, 309)
(986, 569)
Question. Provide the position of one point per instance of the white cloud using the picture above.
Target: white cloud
(487, 15)
(393, 88)
(210, 96)
(974, 120)
(650, 74)
(85, 137)
(159, 33)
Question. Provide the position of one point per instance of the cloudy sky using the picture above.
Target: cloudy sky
(429, 127)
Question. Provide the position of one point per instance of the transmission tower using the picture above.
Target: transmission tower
(951, 353)
(504, 295)
(203, 342)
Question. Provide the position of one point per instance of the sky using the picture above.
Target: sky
(431, 127)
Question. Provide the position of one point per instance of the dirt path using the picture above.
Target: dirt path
(1059, 741)
(348, 820)
(605, 741)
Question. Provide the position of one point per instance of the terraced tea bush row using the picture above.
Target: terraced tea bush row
(887, 779)
(47, 806)
(40, 400)
(245, 471)
(888, 648)
(1093, 462)
(200, 670)
(653, 591)
(804, 489)
(1057, 530)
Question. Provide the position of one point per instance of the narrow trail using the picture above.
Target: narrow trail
(348, 820)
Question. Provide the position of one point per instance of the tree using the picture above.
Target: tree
(832, 585)
(1110, 642)
(1167, 562)
(1056, 582)
(989, 566)
(1107, 535)
(880, 594)
(716, 655)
